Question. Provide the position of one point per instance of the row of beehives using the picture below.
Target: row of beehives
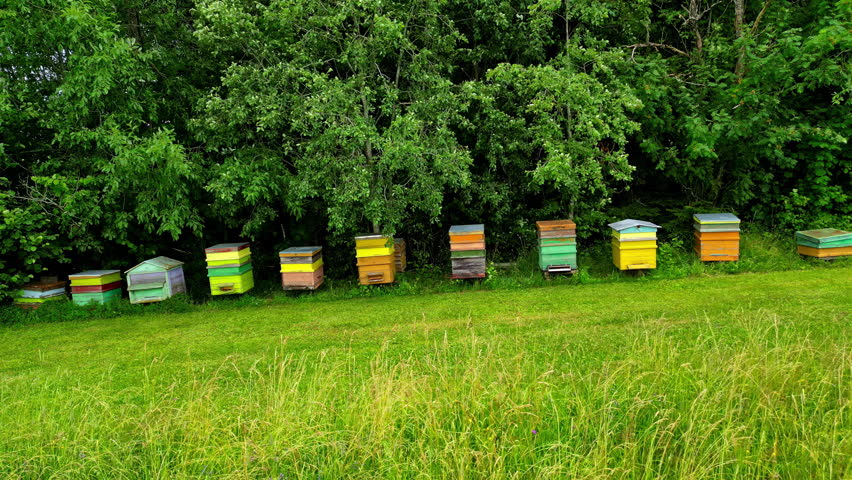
(380, 257)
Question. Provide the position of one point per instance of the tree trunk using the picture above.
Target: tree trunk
(695, 14)
(739, 13)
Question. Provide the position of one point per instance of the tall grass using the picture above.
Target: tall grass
(749, 391)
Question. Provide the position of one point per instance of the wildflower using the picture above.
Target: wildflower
(534, 431)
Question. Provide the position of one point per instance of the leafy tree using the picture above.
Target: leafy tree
(344, 103)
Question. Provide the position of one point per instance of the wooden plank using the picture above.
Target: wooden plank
(824, 252)
(466, 247)
(301, 267)
(381, 260)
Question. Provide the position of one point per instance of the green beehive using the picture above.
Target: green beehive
(155, 280)
(557, 246)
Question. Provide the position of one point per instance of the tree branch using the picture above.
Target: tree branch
(658, 45)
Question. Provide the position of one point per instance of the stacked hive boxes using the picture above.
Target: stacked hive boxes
(467, 251)
(301, 268)
(399, 254)
(634, 244)
(826, 243)
(98, 286)
(36, 294)
(557, 246)
(229, 268)
(376, 262)
(155, 280)
(717, 237)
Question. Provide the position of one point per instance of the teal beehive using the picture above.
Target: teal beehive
(155, 280)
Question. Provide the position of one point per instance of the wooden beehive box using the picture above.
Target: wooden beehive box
(717, 237)
(36, 294)
(399, 254)
(301, 268)
(95, 286)
(376, 259)
(826, 243)
(467, 251)
(155, 280)
(634, 244)
(229, 268)
(557, 246)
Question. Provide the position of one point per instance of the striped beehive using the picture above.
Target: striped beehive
(229, 268)
(467, 251)
(399, 254)
(36, 294)
(95, 286)
(717, 237)
(376, 260)
(825, 243)
(301, 268)
(557, 246)
(634, 244)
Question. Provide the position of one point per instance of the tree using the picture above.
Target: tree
(344, 103)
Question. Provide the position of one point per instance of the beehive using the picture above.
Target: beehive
(301, 268)
(375, 259)
(35, 294)
(399, 254)
(825, 243)
(155, 280)
(557, 246)
(229, 268)
(634, 244)
(717, 237)
(467, 251)
(95, 286)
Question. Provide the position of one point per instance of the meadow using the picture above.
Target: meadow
(710, 376)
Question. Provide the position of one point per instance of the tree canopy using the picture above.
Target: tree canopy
(126, 127)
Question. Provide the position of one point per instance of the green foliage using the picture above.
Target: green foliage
(25, 245)
(143, 127)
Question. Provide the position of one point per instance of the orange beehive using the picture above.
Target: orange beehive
(717, 237)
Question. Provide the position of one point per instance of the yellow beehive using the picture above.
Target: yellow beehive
(634, 244)
(375, 259)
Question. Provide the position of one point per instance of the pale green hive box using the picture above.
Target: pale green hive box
(155, 280)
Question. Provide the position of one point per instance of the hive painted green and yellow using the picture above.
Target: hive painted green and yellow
(229, 268)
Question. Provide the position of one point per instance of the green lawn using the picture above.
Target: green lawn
(745, 376)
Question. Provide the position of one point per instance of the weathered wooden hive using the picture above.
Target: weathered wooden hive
(557, 246)
(95, 286)
(399, 254)
(229, 268)
(376, 259)
(634, 244)
(155, 280)
(301, 268)
(717, 237)
(36, 294)
(825, 243)
(467, 251)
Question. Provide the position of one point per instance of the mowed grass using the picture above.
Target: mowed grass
(738, 376)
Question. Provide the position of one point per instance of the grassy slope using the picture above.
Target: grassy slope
(745, 375)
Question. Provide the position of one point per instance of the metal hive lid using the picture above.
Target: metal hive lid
(467, 229)
(715, 218)
(165, 263)
(298, 251)
(625, 224)
(93, 273)
(227, 247)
